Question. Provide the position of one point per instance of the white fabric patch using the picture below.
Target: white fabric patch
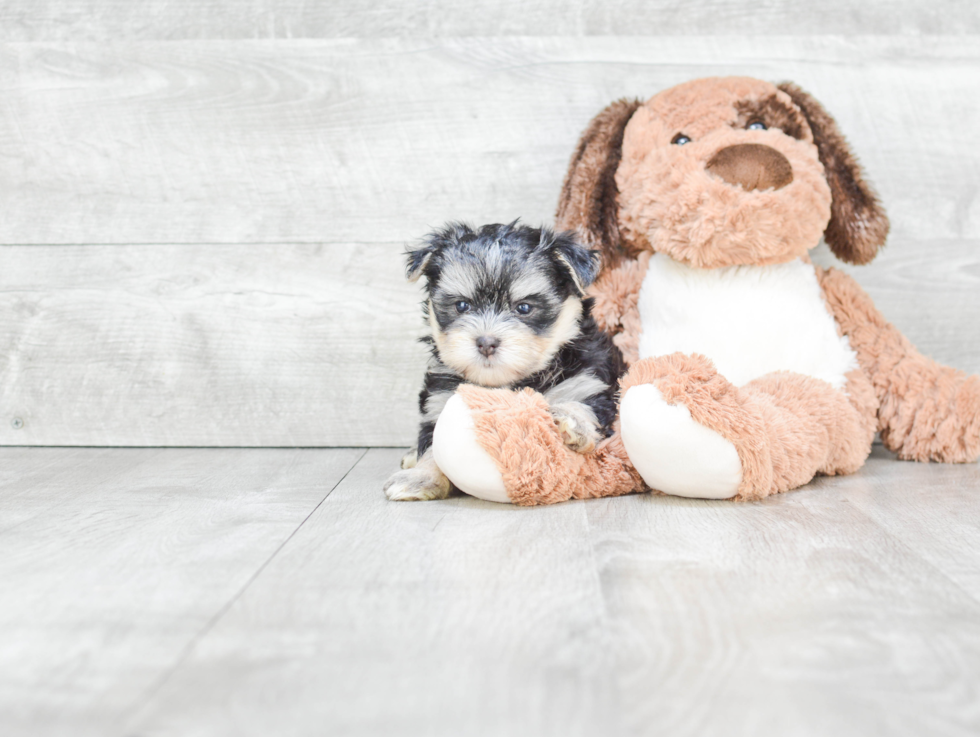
(460, 457)
(672, 452)
(749, 320)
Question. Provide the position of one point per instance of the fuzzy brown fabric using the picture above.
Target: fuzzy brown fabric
(669, 202)
(928, 412)
(588, 202)
(774, 112)
(751, 166)
(858, 224)
(785, 427)
(517, 430)
(615, 307)
(635, 187)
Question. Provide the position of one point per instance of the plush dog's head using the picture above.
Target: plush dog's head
(719, 172)
(501, 299)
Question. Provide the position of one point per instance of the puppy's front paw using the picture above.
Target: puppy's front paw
(410, 460)
(417, 485)
(577, 427)
(578, 438)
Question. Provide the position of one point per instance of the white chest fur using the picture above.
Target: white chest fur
(749, 320)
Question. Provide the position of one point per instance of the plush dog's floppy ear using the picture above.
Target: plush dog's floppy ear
(858, 223)
(588, 197)
(581, 264)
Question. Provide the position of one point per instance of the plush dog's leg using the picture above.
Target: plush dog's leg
(457, 450)
(529, 462)
(422, 482)
(615, 310)
(691, 433)
(928, 412)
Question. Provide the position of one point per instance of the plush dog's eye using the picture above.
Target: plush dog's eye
(756, 125)
(680, 139)
(462, 306)
(524, 308)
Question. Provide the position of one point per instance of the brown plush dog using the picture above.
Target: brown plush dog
(752, 370)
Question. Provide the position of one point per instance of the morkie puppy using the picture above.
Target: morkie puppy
(506, 307)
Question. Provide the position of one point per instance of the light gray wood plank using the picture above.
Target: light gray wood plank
(26, 475)
(113, 561)
(457, 617)
(110, 20)
(378, 140)
(797, 615)
(318, 141)
(800, 615)
(932, 507)
(292, 344)
(282, 345)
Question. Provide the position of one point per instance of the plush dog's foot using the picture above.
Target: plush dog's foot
(672, 452)
(416, 485)
(457, 452)
(410, 459)
(578, 426)
(503, 445)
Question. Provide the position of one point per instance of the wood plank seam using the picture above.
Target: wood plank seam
(159, 683)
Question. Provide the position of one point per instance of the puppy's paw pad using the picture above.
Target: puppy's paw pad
(410, 486)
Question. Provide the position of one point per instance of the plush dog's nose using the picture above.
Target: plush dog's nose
(487, 345)
(751, 165)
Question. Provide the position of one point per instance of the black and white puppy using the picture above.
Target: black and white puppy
(506, 308)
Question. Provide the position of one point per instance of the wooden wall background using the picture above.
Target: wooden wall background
(205, 201)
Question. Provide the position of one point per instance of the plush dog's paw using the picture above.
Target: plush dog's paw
(577, 425)
(410, 460)
(417, 485)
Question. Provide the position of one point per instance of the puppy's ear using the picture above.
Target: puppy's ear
(858, 223)
(419, 257)
(581, 264)
(588, 197)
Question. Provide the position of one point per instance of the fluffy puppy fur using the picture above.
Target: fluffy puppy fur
(506, 309)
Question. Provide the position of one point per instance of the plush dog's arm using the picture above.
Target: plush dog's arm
(927, 411)
(615, 310)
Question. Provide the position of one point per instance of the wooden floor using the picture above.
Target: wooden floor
(272, 592)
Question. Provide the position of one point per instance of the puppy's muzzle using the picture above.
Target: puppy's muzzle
(487, 345)
(752, 166)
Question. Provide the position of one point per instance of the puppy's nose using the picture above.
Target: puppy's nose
(751, 165)
(487, 345)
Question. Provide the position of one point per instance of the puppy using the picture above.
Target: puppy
(506, 308)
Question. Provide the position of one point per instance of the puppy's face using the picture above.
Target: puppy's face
(719, 172)
(502, 300)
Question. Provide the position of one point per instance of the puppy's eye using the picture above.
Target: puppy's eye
(462, 306)
(756, 125)
(524, 308)
(680, 139)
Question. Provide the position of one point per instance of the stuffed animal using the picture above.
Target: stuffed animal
(750, 369)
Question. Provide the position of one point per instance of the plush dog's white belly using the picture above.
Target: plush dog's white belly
(749, 320)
